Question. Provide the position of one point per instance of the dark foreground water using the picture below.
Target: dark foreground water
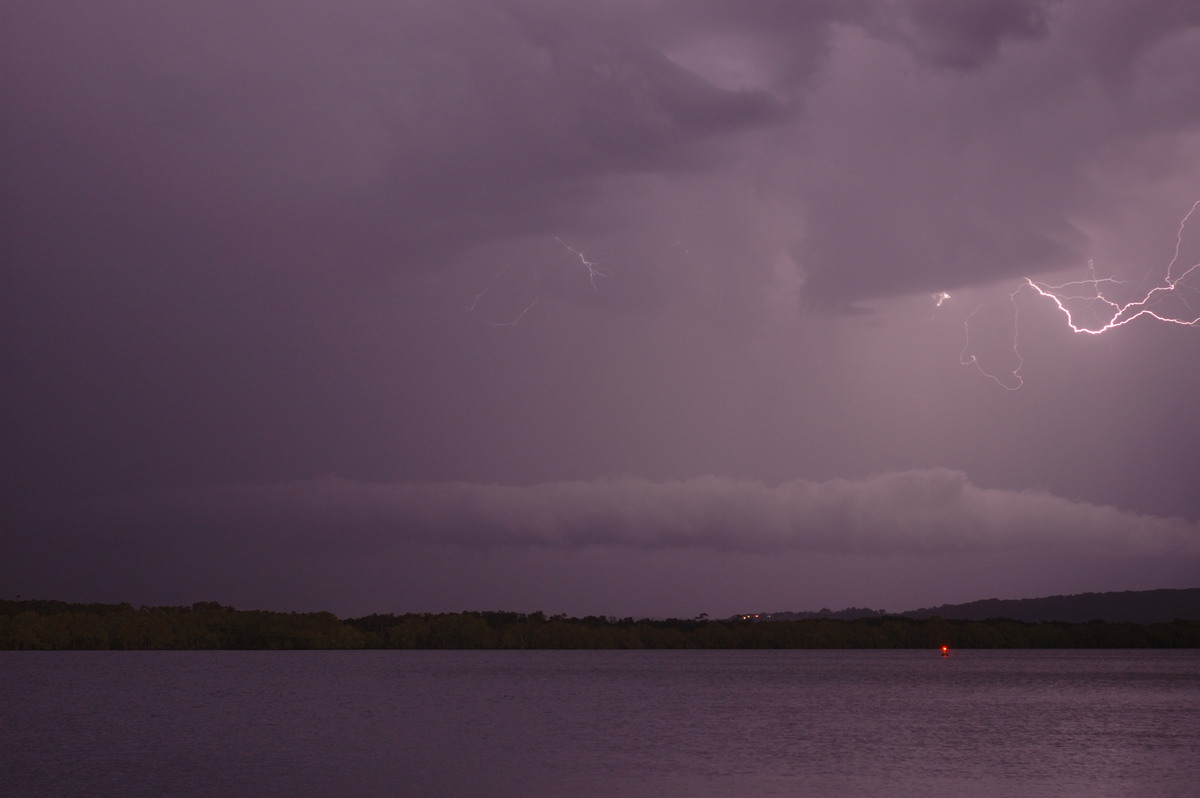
(610, 723)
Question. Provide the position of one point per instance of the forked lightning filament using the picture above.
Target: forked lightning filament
(1112, 313)
(593, 269)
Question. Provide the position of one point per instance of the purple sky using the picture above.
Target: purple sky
(297, 312)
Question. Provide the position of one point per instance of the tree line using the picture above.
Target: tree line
(56, 625)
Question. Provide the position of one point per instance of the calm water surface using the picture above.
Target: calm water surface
(607, 723)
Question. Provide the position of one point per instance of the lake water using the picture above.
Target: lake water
(586, 724)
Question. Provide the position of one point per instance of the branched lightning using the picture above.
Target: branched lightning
(593, 269)
(1120, 314)
(1108, 312)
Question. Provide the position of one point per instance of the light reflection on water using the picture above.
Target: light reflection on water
(600, 723)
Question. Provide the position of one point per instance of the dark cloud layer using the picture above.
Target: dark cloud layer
(931, 144)
(331, 528)
(260, 243)
(909, 512)
(948, 34)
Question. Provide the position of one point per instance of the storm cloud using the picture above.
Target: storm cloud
(908, 512)
(247, 246)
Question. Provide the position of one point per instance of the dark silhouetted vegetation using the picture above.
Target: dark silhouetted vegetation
(57, 625)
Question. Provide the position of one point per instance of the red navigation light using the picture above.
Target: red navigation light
(945, 651)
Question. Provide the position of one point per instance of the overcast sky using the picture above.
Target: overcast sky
(634, 307)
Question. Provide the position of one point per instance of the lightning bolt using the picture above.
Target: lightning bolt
(593, 269)
(971, 360)
(483, 292)
(517, 320)
(1108, 313)
(1120, 314)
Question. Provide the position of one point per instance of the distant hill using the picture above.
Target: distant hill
(1130, 606)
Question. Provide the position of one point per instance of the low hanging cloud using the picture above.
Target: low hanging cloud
(922, 511)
